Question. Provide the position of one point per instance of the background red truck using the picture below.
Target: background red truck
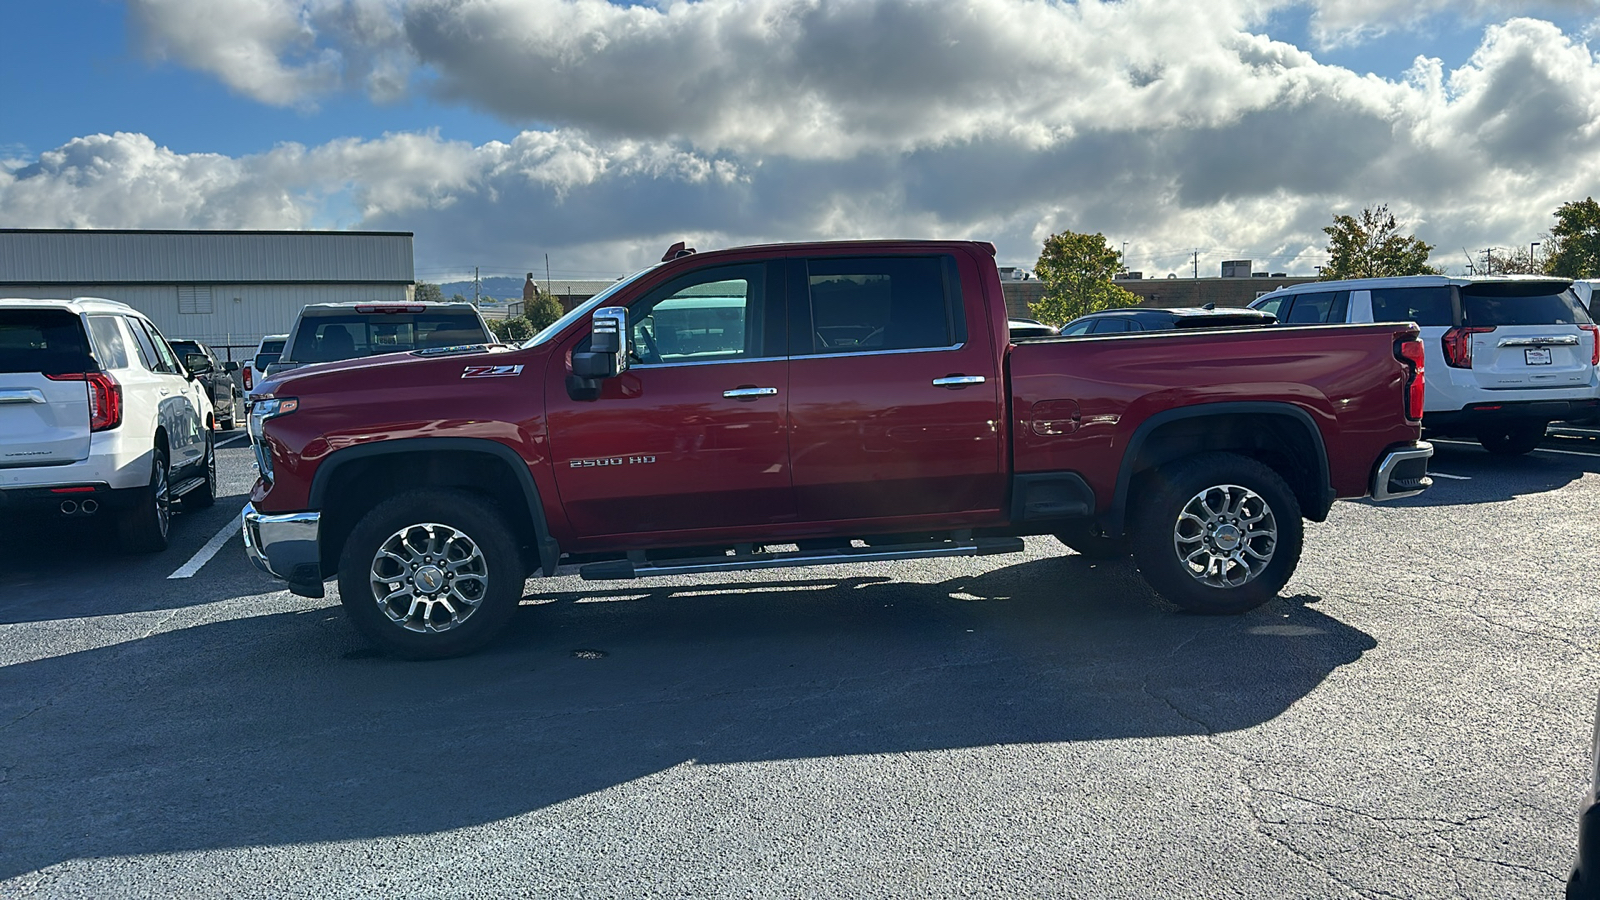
(816, 403)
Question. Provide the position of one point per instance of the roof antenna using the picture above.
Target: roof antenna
(675, 251)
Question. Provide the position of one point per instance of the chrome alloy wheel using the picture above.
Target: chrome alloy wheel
(163, 498)
(429, 578)
(1225, 535)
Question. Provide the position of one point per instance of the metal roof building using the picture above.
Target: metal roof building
(227, 288)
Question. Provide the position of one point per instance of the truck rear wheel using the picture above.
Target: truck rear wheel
(431, 574)
(1217, 533)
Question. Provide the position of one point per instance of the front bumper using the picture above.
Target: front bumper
(1403, 471)
(285, 546)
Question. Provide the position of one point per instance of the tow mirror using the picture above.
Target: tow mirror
(197, 364)
(607, 356)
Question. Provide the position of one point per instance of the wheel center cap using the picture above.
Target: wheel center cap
(430, 578)
(1228, 537)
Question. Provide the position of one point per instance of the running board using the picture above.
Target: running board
(187, 485)
(624, 569)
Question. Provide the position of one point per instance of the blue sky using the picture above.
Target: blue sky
(503, 130)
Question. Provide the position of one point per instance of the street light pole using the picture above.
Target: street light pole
(1531, 264)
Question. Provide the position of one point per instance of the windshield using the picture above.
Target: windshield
(583, 309)
(327, 338)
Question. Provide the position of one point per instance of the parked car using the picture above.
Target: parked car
(330, 332)
(1030, 328)
(774, 406)
(218, 379)
(255, 368)
(1506, 355)
(1584, 881)
(1121, 321)
(99, 418)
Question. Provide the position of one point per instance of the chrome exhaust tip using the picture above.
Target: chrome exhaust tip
(68, 507)
(90, 507)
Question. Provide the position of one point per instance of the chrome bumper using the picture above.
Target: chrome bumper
(285, 546)
(1403, 472)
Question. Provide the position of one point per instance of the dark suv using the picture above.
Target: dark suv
(219, 381)
(1114, 321)
(329, 332)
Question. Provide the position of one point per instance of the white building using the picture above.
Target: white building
(226, 288)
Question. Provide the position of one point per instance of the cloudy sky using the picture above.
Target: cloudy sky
(599, 132)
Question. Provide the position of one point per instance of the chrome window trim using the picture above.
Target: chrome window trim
(705, 362)
(948, 349)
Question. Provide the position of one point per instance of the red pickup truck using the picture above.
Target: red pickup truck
(807, 404)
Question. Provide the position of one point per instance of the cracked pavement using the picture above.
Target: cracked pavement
(1410, 719)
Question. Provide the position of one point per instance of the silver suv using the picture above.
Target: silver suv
(1505, 355)
(100, 418)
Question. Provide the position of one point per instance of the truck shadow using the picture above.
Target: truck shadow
(281, 728)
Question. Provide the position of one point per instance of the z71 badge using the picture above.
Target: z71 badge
(491, 371)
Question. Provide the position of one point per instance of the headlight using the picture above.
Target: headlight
(260, 412)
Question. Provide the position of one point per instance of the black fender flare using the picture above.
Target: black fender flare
(549, 550)
(1117, 518)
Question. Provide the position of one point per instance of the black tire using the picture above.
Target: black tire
(205, 496)
(1160, 529)
(1512, 438)
(227, 422)
(144, 527)
(1086, 542)
(424, 521)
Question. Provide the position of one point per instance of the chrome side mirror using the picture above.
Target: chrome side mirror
(607, 356)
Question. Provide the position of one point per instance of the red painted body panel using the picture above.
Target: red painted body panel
(850, 444)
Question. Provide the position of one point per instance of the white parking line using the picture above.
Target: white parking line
(204, 554)
(1451, 477)
(242, 434)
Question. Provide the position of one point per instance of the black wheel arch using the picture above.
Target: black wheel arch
(1279, 434)
(346, 469)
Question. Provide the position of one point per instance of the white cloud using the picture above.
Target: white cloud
(1338, 22)
(1153, 121)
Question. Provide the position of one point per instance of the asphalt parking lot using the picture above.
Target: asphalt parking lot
(1410, 719)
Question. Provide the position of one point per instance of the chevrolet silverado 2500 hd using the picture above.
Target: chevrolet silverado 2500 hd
(807, 404)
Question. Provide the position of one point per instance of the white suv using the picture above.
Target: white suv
(1506, 355)
(99, 418)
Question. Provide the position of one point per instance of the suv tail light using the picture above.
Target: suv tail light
(105, 398)
(248, 379)
(1410, 353)
(1594, 351)
(1458, 345)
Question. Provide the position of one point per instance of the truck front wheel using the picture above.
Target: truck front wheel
(1217, 534)
(431, 574)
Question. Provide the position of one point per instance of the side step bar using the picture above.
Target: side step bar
(623, 569)
(185, 486)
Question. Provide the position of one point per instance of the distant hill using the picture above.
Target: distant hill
(498, 288)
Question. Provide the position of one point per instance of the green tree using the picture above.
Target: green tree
(1076, 271)
(428, 293)
(457, 298)
(1372, 247)
(1576, 240)
(512, 331)
(542, 312)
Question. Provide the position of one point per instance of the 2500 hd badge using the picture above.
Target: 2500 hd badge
(612, 461)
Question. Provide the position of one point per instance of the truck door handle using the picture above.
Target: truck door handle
(749, 393)
(957, 381)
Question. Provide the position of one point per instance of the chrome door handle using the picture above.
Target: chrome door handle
(749, 393)
(956, 381)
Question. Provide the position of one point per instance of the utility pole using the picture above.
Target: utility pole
(1533, 267)
(1197, 264)
(474, 285)
(1488, 260)
(547, 273)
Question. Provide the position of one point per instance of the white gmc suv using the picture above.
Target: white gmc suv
(1505, 355)
(100, 419)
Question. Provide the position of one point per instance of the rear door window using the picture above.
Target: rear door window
(882, 303)
(1492, 305)
(1318, 308)
(46, 341)
(1422, 305)
(108, 342)
(1112, 325)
